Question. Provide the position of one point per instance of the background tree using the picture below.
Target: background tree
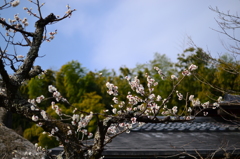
(69, 81)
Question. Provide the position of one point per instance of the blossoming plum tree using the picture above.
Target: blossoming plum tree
(143, 104)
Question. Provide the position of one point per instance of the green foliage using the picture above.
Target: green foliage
(44, 140)
(227, 74)
(159, 60)
(69, 81)
(39, 85)
(35, 135)
(204, 72)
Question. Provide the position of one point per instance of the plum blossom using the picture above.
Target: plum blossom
(39, 99)
(32, 107)
(106, 110)
(115, 100)
(160, 72)
(69, 132)
(112, 90)
(56, 108)
(154, 108)
(114, 110)
(174, 77)
(215, 105)
(136, 85)
(90, 135)
(189, 109)
(112, 130)
(180, 96)
(75, 117)
(16, 17)
(15, 3)
(134, 120)
(186, 73)
(129, 109)
(205, 105)
(205, 113)
(57, 95)
(20, 56)
(121, 125)
(83, 121)
(174, 109)
(191, 97)
(51, 88)
(44, 115)
(158, 98)
(219, 99)
(151, 96)
(196, 102)
(192, 67)
(35, 118)
(58, 111)
(25, 22)
(40, 124)
(188, 117)
(165, 100)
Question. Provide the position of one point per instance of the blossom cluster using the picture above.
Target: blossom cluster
(160, 72)
(112, 90)
(187, 72)
(57, 95)
(56, 108)
(136, 85)
(17, 23)
(81, 122)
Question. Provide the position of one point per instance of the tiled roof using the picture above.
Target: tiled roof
(229, 98)
(200, 124)
(204, 135)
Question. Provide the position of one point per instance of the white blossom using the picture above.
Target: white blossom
(186, 73)
(215, 105)
(191, 97)
(51, 88)
(205, 105)
(174, 109)
(219, 99)
(205, 113)
(32, 107)
(35, 118)
(15, 3)
(192, 67)
(174, 77)
(114, 110)
(44, 115)
(90, 135)
(189, 109)
(75, 117)
(134, 120)
(180, 96)
(20, 56)
(196, 102)
(69, 132)
(39, 99)
(158, 98)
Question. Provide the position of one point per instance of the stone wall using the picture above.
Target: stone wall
(12, 144)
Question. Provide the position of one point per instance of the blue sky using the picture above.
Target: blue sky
(114, 33)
